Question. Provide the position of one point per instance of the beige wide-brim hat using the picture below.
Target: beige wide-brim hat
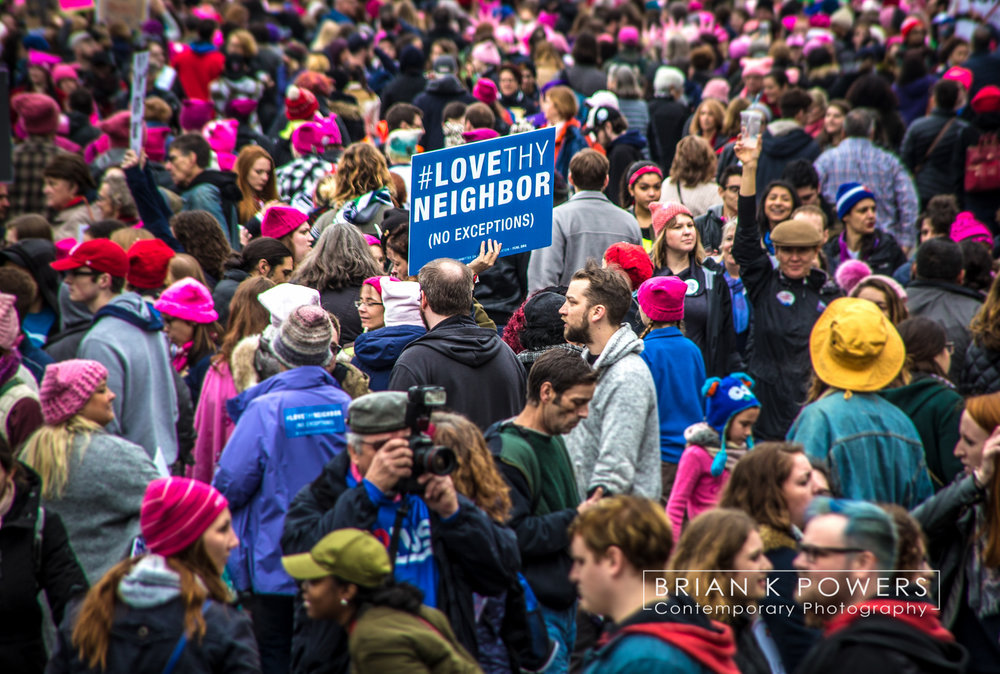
(854, 347)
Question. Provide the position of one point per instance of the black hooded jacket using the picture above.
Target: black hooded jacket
(462, 357)
(473, 553)
(440, 91)
(783, 141)
(35, 256)
(623, 151)
(881, 643)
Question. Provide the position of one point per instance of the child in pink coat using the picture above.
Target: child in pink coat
(731, 410)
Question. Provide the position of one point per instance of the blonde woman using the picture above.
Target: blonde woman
(93, 480)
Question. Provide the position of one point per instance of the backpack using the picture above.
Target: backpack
(982, 164)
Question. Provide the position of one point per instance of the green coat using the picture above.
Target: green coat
(935, 409)
(389, 640)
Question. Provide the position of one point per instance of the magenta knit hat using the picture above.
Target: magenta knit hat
(176, 511)
(67, 386)
(377, 281)
(281, 220)
(10, 324)
(485, 91)
(187, 300)
(967, 227)
(195, 114)
(662, 298)
(664, 213)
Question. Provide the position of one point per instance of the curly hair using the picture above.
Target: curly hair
(476, 477)
(340, 259)
(985, 324)
(694, 162)
(248, 156)
(200, 233)
(717, 111)
(361, 169)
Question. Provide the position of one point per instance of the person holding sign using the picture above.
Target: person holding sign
(287, 429)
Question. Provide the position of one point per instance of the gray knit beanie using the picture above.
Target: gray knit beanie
(304, 338)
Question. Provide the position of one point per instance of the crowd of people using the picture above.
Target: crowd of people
(759, 359)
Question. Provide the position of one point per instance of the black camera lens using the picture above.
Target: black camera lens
(440, 461)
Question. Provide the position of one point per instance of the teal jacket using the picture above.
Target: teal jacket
(935, 408)
(873, 450)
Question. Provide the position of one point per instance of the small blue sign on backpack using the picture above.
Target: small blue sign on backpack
(498, 189)
(314, 420)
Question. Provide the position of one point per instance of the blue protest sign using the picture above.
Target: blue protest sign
(314, 420)
(499, 189)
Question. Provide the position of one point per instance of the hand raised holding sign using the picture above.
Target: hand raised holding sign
(489, 251)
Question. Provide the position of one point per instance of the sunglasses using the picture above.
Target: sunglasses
(814, 552)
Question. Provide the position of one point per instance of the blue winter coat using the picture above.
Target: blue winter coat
(872, 448)
(287, 428)
(679, 372)
(376, 352)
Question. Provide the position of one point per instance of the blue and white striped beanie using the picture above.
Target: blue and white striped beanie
(849, 194)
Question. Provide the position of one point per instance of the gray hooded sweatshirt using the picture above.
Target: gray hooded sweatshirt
(618, 445)
(127, 338)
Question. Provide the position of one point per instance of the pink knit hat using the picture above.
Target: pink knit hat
(959, 74)
(64, 71)
(221, 135)
(281, 220)
(486, 53)
(716, 88)
(662, 298)
(376, 282)
(664, 213)
(316, 136)
(117, 128)
(485, 91)
(67, 386)
(188, 300)
(967, 227)
(176, 511)
(156, 142)
(195, 114)
(850, 273)
(10, 324)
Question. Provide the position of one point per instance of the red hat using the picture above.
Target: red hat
(987, 100)
(281, 220)
(98, 254)
(300, 103)
(117, 127)
(662, 298)
(485, 91)
(633, 260)
(38, 113)
(664, 213)
(175, 513)
(959, 74)
(148, 262)
(318, 83)
(909, 24)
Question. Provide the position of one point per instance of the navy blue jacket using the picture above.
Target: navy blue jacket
(376, 352)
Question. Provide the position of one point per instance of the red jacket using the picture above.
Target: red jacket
(197, 69)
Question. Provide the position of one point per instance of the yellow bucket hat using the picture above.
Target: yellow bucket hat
(854, 347)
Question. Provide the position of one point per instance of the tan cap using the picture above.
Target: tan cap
(796, 233)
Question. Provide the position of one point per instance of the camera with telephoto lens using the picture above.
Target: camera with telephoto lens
(427, 457)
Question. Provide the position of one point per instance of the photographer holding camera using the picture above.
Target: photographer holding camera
(443, 544)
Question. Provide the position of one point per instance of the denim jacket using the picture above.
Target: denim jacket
(872, 448)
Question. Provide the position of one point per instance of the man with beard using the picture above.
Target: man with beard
(483, 378)
(616, 448)
(532, 458)
(870, 624)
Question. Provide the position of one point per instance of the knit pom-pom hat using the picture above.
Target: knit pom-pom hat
(300, 103)
(850, 273)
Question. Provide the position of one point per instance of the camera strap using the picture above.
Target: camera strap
(401, 513)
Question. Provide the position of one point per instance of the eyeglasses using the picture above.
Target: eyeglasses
(734, 189)
(76, 273)
(949, 347)
(813, 552)
(367, 303)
